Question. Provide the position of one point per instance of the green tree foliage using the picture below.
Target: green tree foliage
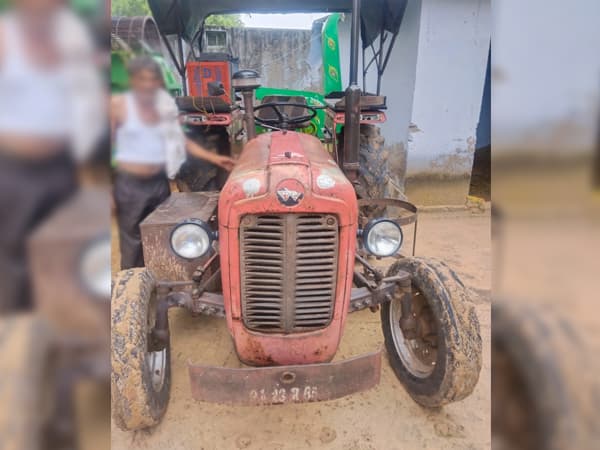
(140, 8)
(130, 8)
(225, 20)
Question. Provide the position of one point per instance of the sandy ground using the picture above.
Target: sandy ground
(382, 418)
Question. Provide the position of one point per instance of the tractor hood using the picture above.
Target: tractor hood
(275, 169)
(186, 17)
(290, 178)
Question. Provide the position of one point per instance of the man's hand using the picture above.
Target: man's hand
(224, 162)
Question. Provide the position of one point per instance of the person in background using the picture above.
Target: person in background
(52, 111)
(149, 146)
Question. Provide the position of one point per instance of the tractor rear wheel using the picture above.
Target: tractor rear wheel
(432, 340)
(376, 178)
(140, 377)
(197, 175)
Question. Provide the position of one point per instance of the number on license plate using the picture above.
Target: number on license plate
(284, 395)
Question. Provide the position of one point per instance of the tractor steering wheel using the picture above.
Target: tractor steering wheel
(283, 121)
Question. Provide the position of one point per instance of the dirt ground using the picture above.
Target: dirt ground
(382, 418)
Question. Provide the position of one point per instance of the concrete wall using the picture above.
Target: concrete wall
(453, 51)
(545, 79)
(398, 82)
(454, 42)
(434, 84)
(280, 56)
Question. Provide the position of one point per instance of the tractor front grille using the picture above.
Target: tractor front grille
(288, 271)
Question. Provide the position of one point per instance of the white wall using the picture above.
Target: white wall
(453, 49)
(399, 79)
(545, 76)
(435, 80)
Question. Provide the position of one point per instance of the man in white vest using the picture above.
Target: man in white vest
(149, 146)
(52, 114)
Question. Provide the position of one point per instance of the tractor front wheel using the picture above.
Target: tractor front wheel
(432, 334)
(141, 376)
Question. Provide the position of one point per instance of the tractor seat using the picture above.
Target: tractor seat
(291, 111)
(211, 105)
(368, 102)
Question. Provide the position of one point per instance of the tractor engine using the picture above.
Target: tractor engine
(287, 235)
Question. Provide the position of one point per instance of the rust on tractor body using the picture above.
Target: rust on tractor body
(289, 384)
(156, 230)
(281, 174)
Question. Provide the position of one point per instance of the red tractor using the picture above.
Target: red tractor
(281, 251)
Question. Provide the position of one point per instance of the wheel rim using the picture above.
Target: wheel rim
(156, 361)
(416, 348)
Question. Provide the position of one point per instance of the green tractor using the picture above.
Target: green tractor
(332, 81)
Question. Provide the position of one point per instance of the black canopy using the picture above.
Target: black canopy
(378, 15)
(185, 17)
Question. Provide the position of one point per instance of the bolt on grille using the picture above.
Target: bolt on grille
(288, 271)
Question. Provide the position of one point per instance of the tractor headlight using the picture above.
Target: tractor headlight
(94, 267)
(382, 237)
(191, 239)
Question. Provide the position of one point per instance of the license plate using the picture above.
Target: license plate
(285, 384)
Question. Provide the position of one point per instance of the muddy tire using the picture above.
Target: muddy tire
(376, 177)
(140, 379)
(25, 346)
(437, 357)
(545, 394)
(378, 173)
(377, 180)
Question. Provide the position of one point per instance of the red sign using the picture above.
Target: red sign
(200, 73)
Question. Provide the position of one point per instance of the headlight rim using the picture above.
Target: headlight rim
(84, 281)
(370, 225)
(198, 222)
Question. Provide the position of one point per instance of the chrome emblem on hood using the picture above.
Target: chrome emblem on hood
(290, 192)
(289, 197)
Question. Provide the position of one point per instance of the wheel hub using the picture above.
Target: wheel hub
(414, 332)
(157, 362)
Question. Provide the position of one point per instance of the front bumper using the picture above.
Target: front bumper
(285, 384)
